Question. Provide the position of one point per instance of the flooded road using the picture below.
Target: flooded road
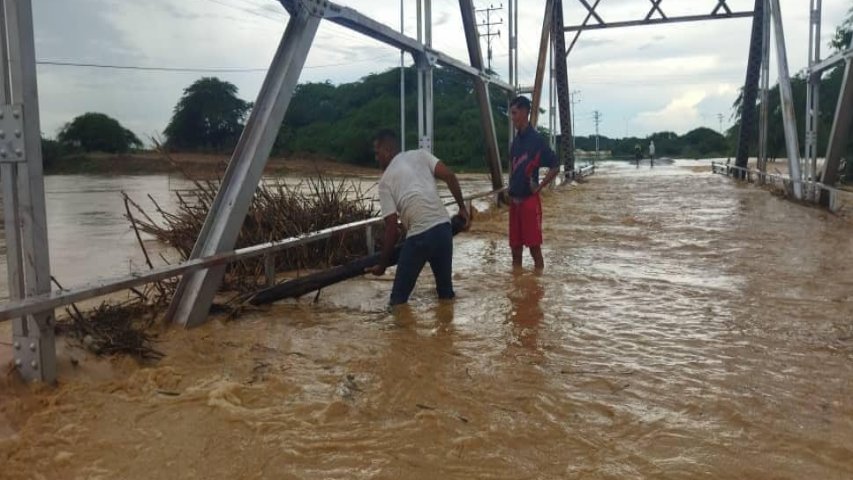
(685, 327)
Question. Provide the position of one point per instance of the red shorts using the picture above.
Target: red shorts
(525, 222)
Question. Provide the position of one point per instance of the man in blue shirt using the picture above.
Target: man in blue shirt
(529, 153)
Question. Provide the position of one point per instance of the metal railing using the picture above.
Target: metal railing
(267, 250)
(585, 171)
(64, 297)
(811, 190)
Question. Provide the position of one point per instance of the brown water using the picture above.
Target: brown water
(685, 327)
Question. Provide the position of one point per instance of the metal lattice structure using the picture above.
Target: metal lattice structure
(32, 302)
(656, 16)
(23, 190)
(767, 17)
(219, 233)
(25, 218)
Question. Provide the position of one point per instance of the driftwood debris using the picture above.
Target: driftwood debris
(278, 210)
(300, 286)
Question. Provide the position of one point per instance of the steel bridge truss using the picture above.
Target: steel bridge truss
(21, 160)
(23, 183)
(804, 169)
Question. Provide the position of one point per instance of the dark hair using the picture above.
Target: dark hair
(387, 136)
(521, 102)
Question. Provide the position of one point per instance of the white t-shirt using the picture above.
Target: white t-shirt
(408, 189)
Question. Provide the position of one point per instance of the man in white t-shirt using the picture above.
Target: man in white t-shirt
(407, 192)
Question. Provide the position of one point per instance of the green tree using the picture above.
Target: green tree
(51, 152)
(843, 34)
(703, 142)
(209, 116)
(96, 132)
(340, 120)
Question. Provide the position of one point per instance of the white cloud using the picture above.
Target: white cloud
(680, 111)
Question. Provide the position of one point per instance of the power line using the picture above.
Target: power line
(193, 70)
(278, 19)
(245, 10)
(150, 69)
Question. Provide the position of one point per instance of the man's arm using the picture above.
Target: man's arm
(553, 164)
(442, 172)
(552, 173)
(388, 243)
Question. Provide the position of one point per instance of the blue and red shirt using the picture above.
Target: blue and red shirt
(529, 153)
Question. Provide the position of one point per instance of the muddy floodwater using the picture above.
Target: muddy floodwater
(685, 326)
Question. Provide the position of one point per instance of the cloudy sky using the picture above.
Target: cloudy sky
(641, 79)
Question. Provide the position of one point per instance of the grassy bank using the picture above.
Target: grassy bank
(197, 164)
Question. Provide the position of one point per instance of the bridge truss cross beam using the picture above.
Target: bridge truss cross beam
(720, 12)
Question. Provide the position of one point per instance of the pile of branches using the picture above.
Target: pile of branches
(278, 211)
(118, 327)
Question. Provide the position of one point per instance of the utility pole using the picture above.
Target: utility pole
(573, 101)
(596, 117)
(488, 23)
(720, 118)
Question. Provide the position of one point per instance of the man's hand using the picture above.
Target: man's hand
(377, 270)
(466, 215)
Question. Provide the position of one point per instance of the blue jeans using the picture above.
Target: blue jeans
(434, 246)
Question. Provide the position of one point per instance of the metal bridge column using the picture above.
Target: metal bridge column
(567, 156)
(764, 119)
(23, 192)
(481, 88)
(840, 134)
(792, 143)
(544, 45)
(425, 65)
(812, 95)
(195, 293)
(750, 89)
